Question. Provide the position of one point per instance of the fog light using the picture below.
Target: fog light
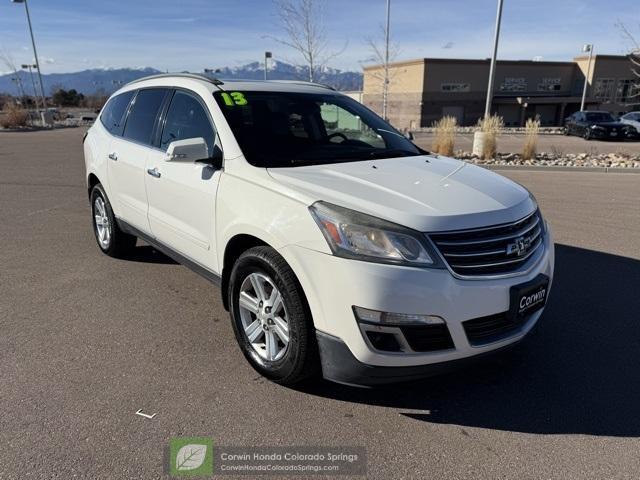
(383, 341)
(388, 318)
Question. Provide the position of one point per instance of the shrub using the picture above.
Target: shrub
(531, 130)
(15, 117)
(445, 130)
(490, 126)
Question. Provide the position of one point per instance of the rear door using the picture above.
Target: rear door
(128, 154)
(182, 194)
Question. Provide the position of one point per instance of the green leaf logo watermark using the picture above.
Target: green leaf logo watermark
(191, 456)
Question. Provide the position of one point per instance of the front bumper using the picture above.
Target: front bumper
(334, 285)
(339, 365)
(605, 134)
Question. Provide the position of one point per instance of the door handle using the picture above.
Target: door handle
(154, 172)
(113, 156)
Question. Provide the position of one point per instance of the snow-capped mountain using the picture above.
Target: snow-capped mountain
(109, 79)
(86, 81)
(338, 79)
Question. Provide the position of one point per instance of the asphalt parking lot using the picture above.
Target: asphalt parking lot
(549, 143)
(87, 340)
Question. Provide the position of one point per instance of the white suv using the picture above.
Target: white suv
(338, 244)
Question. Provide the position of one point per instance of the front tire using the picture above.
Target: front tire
(587, 135)
(270, 317)
(111, 240)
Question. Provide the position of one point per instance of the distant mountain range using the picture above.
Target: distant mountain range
(108, 80)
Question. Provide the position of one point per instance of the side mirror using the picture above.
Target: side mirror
(188, 150)
(215, 159)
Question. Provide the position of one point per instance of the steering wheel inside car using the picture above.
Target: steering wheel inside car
(337, 134)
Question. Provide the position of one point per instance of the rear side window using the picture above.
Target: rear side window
(143, 114)
(186, 118)
(112, 116)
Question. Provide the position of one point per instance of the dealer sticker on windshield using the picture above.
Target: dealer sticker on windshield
(234, 98)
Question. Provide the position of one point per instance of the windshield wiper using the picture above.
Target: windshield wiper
(391, 153)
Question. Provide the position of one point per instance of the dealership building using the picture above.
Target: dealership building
(424, 90)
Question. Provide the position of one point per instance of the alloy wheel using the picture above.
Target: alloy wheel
(264, 316)
(103, 226)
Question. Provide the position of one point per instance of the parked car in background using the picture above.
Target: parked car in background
(598, 125)
(633, 119)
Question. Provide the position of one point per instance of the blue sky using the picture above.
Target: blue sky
(192, 34)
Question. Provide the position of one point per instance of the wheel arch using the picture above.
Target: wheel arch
(235, 247)
(92, 181)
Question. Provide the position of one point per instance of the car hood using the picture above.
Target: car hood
(426, 193)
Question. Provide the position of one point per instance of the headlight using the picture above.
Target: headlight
(352, 234)
(597, 127)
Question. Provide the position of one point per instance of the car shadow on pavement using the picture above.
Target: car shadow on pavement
(577, 373)
(148, 254)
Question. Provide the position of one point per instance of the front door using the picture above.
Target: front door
(182, 194)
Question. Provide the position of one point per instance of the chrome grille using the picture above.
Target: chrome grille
(495, 250)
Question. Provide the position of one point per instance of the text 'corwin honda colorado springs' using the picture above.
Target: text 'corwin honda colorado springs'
(338, 244)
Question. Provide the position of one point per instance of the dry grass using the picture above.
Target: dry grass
(531, 130)
(490, 126)
(445, 136)
(15, 117)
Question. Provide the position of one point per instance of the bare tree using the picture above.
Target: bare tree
(7, 61)
(634, 56)
(303, 24)
(383, 52)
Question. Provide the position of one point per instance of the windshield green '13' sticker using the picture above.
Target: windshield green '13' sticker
(234, 98)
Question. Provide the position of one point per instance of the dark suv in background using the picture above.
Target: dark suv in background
(598, 125)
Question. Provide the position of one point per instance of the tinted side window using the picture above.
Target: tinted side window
(112, 116)
(186, 118)
(143, 114)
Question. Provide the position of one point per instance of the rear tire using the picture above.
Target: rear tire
(111, 240)
(270, 317)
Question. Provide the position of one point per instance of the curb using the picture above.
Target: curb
(545, 168)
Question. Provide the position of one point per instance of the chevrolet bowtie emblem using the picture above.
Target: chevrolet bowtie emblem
(519, 246)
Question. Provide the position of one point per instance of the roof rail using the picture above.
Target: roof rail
(302, 82)
(194, 76)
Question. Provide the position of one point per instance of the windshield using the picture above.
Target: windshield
(283, 129)
(600, 117)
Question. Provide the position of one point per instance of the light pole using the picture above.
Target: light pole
(492, 68)
(33, 82)
(35, 52)
(385, 86)
(267, 56)
(586, 48)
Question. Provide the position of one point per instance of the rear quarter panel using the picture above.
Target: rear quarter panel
(96, 147)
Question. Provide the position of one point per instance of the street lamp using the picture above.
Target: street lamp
(35, 53)
(586, 48)
(385, 86)
(267, 56)
(492, 68)
(30, 67)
